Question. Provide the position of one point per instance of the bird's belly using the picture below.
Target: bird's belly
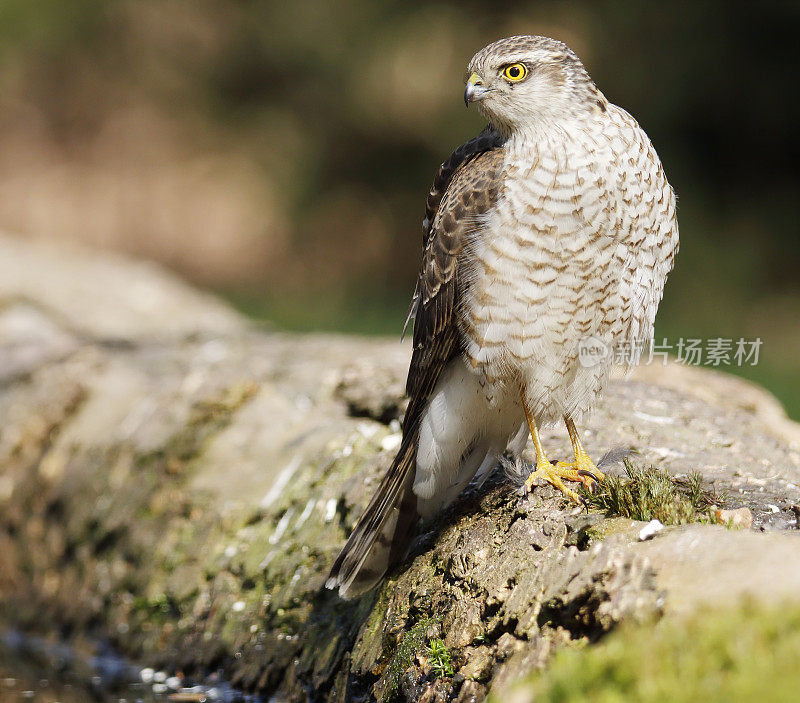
(533, 302)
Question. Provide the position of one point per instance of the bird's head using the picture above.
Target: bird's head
(525, 80)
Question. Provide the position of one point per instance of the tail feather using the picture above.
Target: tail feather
(382, 535)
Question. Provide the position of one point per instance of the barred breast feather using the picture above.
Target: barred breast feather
(577, 248)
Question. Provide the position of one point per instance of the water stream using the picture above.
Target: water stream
(37, 670)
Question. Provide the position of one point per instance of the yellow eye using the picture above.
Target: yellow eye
(515, 72)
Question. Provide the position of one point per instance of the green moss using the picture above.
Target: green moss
(440, 659)
(369, 646)
(652, 494)
(744, 654)
(413, 643)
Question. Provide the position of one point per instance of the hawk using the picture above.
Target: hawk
(550, 233)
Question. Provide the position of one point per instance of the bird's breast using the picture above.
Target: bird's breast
(544, 263)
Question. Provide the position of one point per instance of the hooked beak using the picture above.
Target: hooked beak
(475, 89)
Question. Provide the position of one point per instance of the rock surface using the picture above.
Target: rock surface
(179, 481)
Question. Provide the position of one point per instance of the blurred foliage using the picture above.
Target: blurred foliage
(281, 152)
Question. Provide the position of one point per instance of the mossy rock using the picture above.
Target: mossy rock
(745, 654)
(179, 483)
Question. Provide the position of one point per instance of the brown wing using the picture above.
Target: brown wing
(464, 190)
(487, 140)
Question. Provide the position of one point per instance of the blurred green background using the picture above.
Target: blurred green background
(280, 153)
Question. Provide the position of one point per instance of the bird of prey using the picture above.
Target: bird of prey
(550, 233)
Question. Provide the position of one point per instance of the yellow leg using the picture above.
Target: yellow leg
(582, 469)
(544, 469)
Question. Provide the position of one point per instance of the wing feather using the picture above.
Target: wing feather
(472, 191)
(487, 140)
(465, 188)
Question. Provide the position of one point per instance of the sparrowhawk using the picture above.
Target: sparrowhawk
(554, 226)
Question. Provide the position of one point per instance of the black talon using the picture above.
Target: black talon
(591, 485)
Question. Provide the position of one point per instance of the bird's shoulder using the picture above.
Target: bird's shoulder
(640, 173)
(643, 199)
(458, 169)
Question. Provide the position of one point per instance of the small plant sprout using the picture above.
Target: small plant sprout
(439, 656)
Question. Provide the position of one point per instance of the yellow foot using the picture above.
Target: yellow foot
(553, 475)
(582, 470)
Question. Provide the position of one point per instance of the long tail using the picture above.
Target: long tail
(381, 537)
